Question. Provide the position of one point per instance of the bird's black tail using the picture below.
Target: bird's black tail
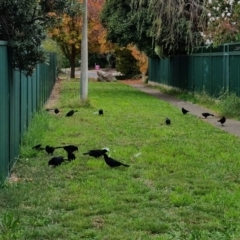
(125, 165)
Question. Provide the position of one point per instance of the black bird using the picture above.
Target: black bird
(56, 110)
(112, 162)
(96, 152)
(69, 148)
(71, 156)
(184, 111)
(70, 113)
(56, 161)
(168, 121)
(207, 114)
(222, 120)
(49, 149)
(100, 112)
(38, 147)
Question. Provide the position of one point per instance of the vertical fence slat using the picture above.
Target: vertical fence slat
(23, 101)
(4, 116)
(234, 74)
(14, 119)
(34, 92)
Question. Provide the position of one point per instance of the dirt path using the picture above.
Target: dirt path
(51, 102)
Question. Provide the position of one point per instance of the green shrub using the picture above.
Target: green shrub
(126, 63)
(229, 104)
(201, 97)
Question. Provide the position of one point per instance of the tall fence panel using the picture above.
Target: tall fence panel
(15, 107)
(20, 97)
(23, 102)
(4, 115)
(234, 72)
(210, 69)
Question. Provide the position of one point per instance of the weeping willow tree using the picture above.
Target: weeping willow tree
(176, 25)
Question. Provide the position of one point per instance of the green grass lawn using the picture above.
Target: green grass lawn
(182, 183)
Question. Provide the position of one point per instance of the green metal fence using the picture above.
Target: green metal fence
(209, 69)
(20, 97)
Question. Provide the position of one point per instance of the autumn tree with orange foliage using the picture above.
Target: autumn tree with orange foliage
(141, 58)
(68, 33)
(97, 35)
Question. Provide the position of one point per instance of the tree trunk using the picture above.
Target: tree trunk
(72, 66)
(84, 56)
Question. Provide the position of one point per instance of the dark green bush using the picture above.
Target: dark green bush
(229, 104)
(126, 63)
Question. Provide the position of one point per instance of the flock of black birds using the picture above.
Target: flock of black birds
(70, 149)
(69, 114)
(205, 115)
(222, 120)
(96, 153)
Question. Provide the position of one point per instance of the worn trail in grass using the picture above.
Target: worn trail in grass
(183, 182)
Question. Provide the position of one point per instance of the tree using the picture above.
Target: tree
(126, 63)
(142, 60)
(68, 33)
(23, 24)
(122, 25)
(176, 25)
(98, 44)
(223, 23)
(172, 27)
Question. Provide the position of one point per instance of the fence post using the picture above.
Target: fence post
(5, 113)
(226, 66)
